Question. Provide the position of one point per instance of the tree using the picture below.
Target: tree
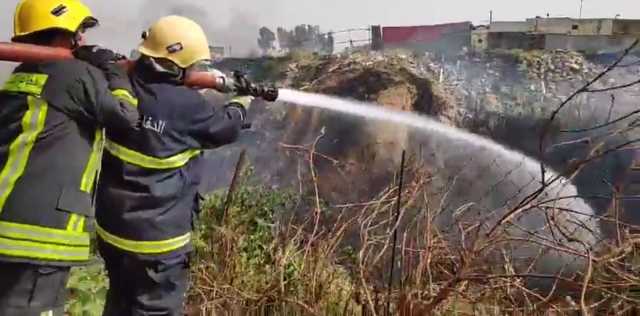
(285, 38)
(267, 40)
(305, 37)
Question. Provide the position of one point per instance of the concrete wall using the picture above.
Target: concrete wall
(586, 35)
(592, 27)
(588, 44)
(521, 27)
(570, 26)
(515, 40)
(480, 40)
(626, 27)
(376, 38)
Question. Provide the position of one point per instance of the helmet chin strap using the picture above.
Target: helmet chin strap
(75, 40)
(173, 73)
(87, 24)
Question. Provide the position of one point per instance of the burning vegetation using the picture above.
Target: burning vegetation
(322, 226)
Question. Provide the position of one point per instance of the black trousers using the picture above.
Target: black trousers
(32, 290)
(144, 287)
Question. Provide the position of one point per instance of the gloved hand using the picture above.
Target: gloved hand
(242, 85)
(105, 60)
(97, 56)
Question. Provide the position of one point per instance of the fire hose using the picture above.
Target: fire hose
(28, 53)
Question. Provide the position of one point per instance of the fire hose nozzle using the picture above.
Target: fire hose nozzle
(269, 94)
(244, 86)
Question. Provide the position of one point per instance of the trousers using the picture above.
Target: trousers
(32, 290)
(144, 286)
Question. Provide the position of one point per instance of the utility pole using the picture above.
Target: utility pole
(581, 5)
(490, 17)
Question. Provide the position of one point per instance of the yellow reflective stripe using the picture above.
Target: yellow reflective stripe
(80, 227)
(43, 234)
(145, 161)
(242, 100)
(73, 220)
(144, 247)
(26, 83)
(42, 251)
(91, 170)
(32, 124)
(76, 223)
(125, 95)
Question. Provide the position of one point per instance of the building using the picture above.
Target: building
(217, 52)
(505, 35)
(595, 36)
(480, 38)
(598, 36)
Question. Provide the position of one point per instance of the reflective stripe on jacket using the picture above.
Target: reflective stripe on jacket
(147, 193)
(51, 139)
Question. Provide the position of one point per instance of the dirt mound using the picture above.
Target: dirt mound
(363, 154)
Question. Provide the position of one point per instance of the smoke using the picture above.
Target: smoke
(122, 22)
(239, 35)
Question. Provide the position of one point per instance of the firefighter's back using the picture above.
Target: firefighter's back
(48, 156)
(148, 184)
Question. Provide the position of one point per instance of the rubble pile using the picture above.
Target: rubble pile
(556, 65)
(511, 83)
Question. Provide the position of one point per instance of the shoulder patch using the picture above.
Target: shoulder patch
(29, 83)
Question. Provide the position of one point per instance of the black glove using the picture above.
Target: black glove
(97, 56)
(105, 60)
(270, 94)
(242, 85)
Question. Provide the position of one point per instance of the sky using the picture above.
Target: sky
(235, 22)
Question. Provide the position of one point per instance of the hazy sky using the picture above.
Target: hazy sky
(235, 22)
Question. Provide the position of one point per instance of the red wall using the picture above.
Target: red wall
(421, 34)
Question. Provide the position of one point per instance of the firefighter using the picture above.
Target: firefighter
(148, 193)
(51, 120)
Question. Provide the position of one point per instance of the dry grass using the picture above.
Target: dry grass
(335, 260)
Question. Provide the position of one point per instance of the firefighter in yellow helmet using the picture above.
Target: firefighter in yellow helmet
(148, 191)
(51, 120)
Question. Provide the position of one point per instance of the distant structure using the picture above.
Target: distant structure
(440, 38)
(592, 36)
(217, 52)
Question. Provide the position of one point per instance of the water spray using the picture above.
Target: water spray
(559, 199)
(372, 111)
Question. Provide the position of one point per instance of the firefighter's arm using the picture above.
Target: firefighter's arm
(110, 94)
(215, 126)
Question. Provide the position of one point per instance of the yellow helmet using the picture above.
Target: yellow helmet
(178, 39)
(33, 16)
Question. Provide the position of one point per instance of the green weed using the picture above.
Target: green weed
(87, 291)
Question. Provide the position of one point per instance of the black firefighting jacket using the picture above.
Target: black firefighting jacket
(51, 120)
(148, 189)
